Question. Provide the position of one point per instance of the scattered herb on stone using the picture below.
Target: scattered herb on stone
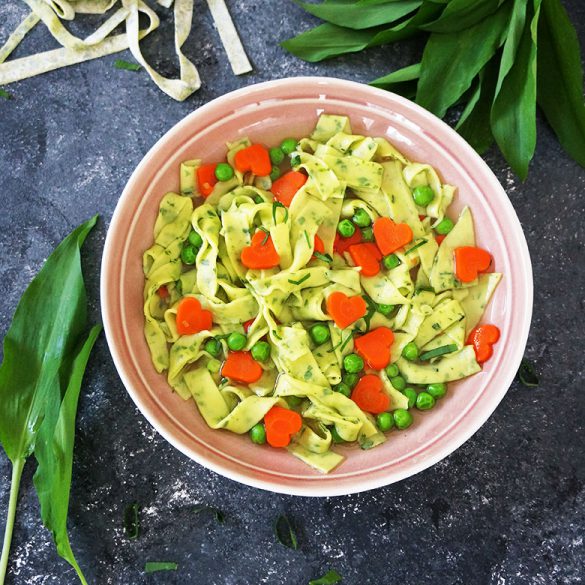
(285, 532)
(329, 578)
(132, 521)
(126, 65)
(527, 374)
(156, 566)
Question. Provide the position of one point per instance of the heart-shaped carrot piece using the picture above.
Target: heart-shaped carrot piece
(285, 188)
(469, 261)
(391, 236)
(240, 366)
(280, 424)
(206, 179)
(369, 395)
(261, 254)
(191, 318)
(367, 256)
(375, 346)
(254, 158)
(483, 338)
(318, 245)
(345, 310)
(341, 244)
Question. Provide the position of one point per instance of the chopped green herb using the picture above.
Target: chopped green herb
(132, 521)
(285, 532)
(427, 355)
(300, 281)
(436, 326)
(365, 443)
(126, 65)
(307, 238)
(275, 206)
(219, 515)
(5, 95)
(266, 236)
(324, 257)
(275, 333)
(155, 566)
(527, 374)
(329, 578)
(417, 245)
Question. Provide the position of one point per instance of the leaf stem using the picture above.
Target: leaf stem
(14, 489)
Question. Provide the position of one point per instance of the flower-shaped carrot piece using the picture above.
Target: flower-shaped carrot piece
(482, 338)
(367, 256)
(391, 236)
(206, 179)
(345, 310)
(369, 395)
(469, 261)
(191, 318)
(281, 424)
(254, 158)
(375, 346)
(261, 254)
(240, 366)
(285, 188)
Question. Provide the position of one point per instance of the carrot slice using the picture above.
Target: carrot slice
(341, 244)
(439, 239)
(248, 324)
(261, 254)
(254, 158)
(285, 188)
(483, 338)
(191, 318)
(318, 245)
(345, 310)
(240, 366)
(391, 236)
(369, 395)
(163, 292)
(375, 346)
(367, 256)
(469, 261)
(206, 179)
(280, 424)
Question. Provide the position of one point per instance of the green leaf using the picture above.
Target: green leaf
(451, 62)
(461, 14)
(329, 578)
(54, 455)
(513, 115)
(132, 521)
(527, 374)
(560, 78)
(285, 532)
(126, 65)
(403, 81)
(361, 15)
(5, 95)
(156, 566)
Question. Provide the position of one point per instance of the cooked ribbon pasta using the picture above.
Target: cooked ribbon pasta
(313, 294)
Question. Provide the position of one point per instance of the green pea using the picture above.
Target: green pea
(236, 341)
(411, 395)
(189, 255)
(345, 228)
(223, 172)
(274, 174)
(385, 421)
(258, 434)
(402, 418)
(410, 351)
(367, 234)
(385, 309)
(398, 382)
(295, 160)
(335, 435)
(353, 363)
(294, 401)
(214, 366)
(423, 195)
(260, 351)
(195, 239)
(350, 379)
(288, 145)
(319, 333)
(212, 347)
(424, 401)
(391, 261)
(392, 371)
(444, 226)
(276, 155)
(437, 390)
(343, 388)
(361, 218)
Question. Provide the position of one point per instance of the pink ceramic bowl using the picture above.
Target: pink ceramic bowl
(267, 113)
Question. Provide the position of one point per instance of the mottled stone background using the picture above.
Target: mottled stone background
(506, 508)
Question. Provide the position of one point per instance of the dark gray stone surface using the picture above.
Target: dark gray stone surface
(507, 508)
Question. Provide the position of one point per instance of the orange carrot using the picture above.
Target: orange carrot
(286, 187)
(254, 158)
(280, 424)
(469, 261)
(369, 395)
(248, 324)
(375, 346)
(367, 256)
(318, 245)
(391, 236)
(341, 244)
(482, 338)
(439, 239)
(261, 254)
(345, 310)
(206, 179)
(163, 292)
(191, 318)
(240, 366)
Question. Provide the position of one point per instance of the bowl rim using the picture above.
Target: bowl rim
(362, 483)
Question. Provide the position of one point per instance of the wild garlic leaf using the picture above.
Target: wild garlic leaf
(331, 577)
(403, 81)
(461, 14)
(54, 454)
(560, 78)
